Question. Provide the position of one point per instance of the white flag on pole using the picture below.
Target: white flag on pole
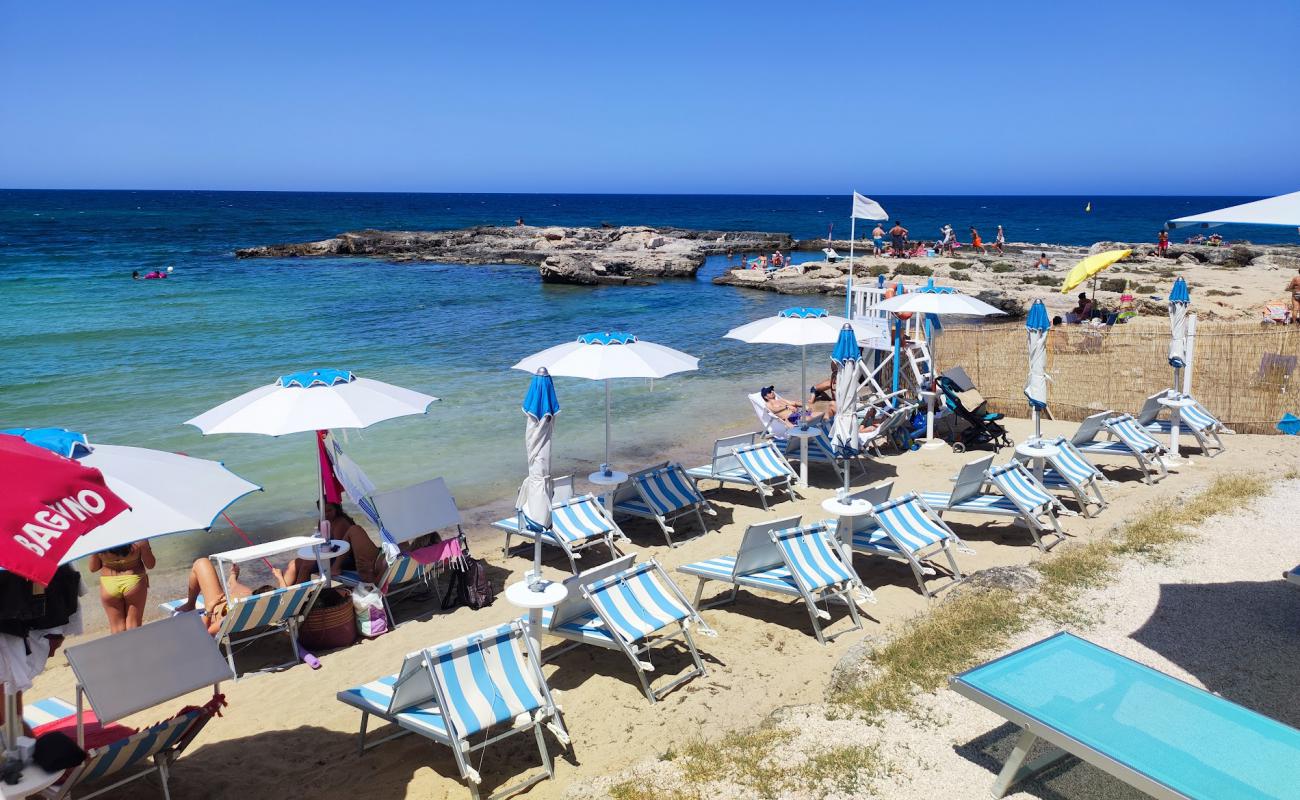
(866, 208)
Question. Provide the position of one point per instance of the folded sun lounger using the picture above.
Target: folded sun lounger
(904, 529)
(748, 460)
(662, 493)
(1162, 736)
(1138, 445)
(631, 608)
(454, 693)
(1019, 495)
(577, 523)
(1069, 469)
(781, 557)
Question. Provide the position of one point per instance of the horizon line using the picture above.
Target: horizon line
(828, 195)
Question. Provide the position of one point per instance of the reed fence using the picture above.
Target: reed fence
(1244, 372)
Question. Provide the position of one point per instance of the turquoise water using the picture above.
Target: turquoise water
(127, 362)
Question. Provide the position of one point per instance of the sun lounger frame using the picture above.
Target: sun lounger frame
(918, 560)
(633, 488)
(564, 496)
(1085, 440)
(970, 488)
(1087, 492)
(727, 467)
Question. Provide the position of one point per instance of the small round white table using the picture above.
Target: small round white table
(1037, 451)
(853, 508)
(931, 443)
(328, 550)
(521, 595)
(803, 435)
(1176, 406)
(607, 484)
(34, 781)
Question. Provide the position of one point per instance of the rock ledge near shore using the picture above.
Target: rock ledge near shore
(587, 256)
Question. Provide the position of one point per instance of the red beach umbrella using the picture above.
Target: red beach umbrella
(46, 503)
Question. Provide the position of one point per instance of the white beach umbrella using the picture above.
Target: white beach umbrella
(846, 437)
(534, 500)
(312, 400)
(1281, 210)
(804, 326)
(1037, 326)
(604, 356)
(167, 492)
(1179, 299)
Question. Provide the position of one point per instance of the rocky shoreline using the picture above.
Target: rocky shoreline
(586, 256)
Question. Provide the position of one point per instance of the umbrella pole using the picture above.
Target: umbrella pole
(607, 468)
(804, 373)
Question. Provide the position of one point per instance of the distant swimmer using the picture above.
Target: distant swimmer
(135, 274)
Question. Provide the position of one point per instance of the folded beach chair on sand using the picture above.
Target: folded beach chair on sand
(781, 557)
(251, 618)
(577, 523)
(1138, 445)
(1194, 420)
(1019, 495)
(904, 529)
(455, 693)
(820, 448)
(662, 493)
(631, 608)
(748, 460)
(1069, 469)
(1164, 737)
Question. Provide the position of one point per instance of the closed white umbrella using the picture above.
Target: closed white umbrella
(1037, 326)
(846, 437)
(312, 400)
(534, 500)
(604, 356)
(801, 327)
(168, 492)
(1179, 299)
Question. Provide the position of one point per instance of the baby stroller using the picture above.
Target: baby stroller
(965, 402)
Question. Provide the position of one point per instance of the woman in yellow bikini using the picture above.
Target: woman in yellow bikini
(124, 583)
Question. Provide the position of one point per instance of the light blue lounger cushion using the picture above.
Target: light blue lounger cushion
(374, 697)
(980, 503)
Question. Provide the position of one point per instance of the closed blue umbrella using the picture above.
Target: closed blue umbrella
(845, 436)
(1179, 299)
(1037, 326)
(534, 502)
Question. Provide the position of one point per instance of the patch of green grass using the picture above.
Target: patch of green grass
(1039, 280)
(1002, 266)
(1145, 288)
(847, 769)
(959, 276)
(1221, 293)
(960, 265)
(875, 270)
(908, 268)
(1113, 284)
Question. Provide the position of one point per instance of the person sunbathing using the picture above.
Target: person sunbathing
(821, 395)
(792, 412)
(363, 555)
(216, 603)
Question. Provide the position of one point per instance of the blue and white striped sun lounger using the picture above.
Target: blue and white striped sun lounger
(1069, 469)
(820, 448)
(908, 530)
(781, 557)
(576, 524)
(455, 692)
(631, 608)
(1164, 737)
(1146, 450)
(749, 461)
(1195, 421)
(662, 493)
(250, 618)
(1019, 495)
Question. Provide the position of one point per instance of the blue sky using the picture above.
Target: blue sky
(753, 97)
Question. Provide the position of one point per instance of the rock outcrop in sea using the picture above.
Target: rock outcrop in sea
(590, 256)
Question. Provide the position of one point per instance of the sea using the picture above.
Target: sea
(84, 347)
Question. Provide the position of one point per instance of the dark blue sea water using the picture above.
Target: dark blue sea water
(83, 346)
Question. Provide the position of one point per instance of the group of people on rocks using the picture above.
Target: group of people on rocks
(900, 245)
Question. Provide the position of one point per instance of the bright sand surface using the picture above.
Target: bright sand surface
(285, 734)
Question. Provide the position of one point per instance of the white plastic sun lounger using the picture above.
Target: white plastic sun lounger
(577, 523)
(1138, 445)
(820, 448)
(781, 557)
(1194, 420)
(454, 693)
(1069, 469)
(662, 493)
(1159, 735)
(906, 529)
(1019, 495)
(631, 608)
(748, 460)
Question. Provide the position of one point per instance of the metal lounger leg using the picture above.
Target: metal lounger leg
(365, 718)
(161, 760)
(1016, 770)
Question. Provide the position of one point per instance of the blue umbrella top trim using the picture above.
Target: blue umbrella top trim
(1179, 293)
(930, 288)
(800, 312)
(607, 337)
(309, 378)
(59, 441)
(541, 400)
(1037, 319)
(846, 347)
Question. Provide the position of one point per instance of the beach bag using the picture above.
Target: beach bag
(329, 624)
(477, 585)
(457, 593)
(368, 607)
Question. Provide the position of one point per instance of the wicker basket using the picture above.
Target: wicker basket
(327, 627)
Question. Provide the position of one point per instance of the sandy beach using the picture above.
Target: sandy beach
(289, 735)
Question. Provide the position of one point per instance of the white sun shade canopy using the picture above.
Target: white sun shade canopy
(1281, 210)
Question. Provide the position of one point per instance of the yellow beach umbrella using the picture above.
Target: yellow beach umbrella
(1090, 266)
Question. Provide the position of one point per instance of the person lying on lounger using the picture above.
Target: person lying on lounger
(790, 411)
(821, 399)
(362, 556)
(203, 580)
